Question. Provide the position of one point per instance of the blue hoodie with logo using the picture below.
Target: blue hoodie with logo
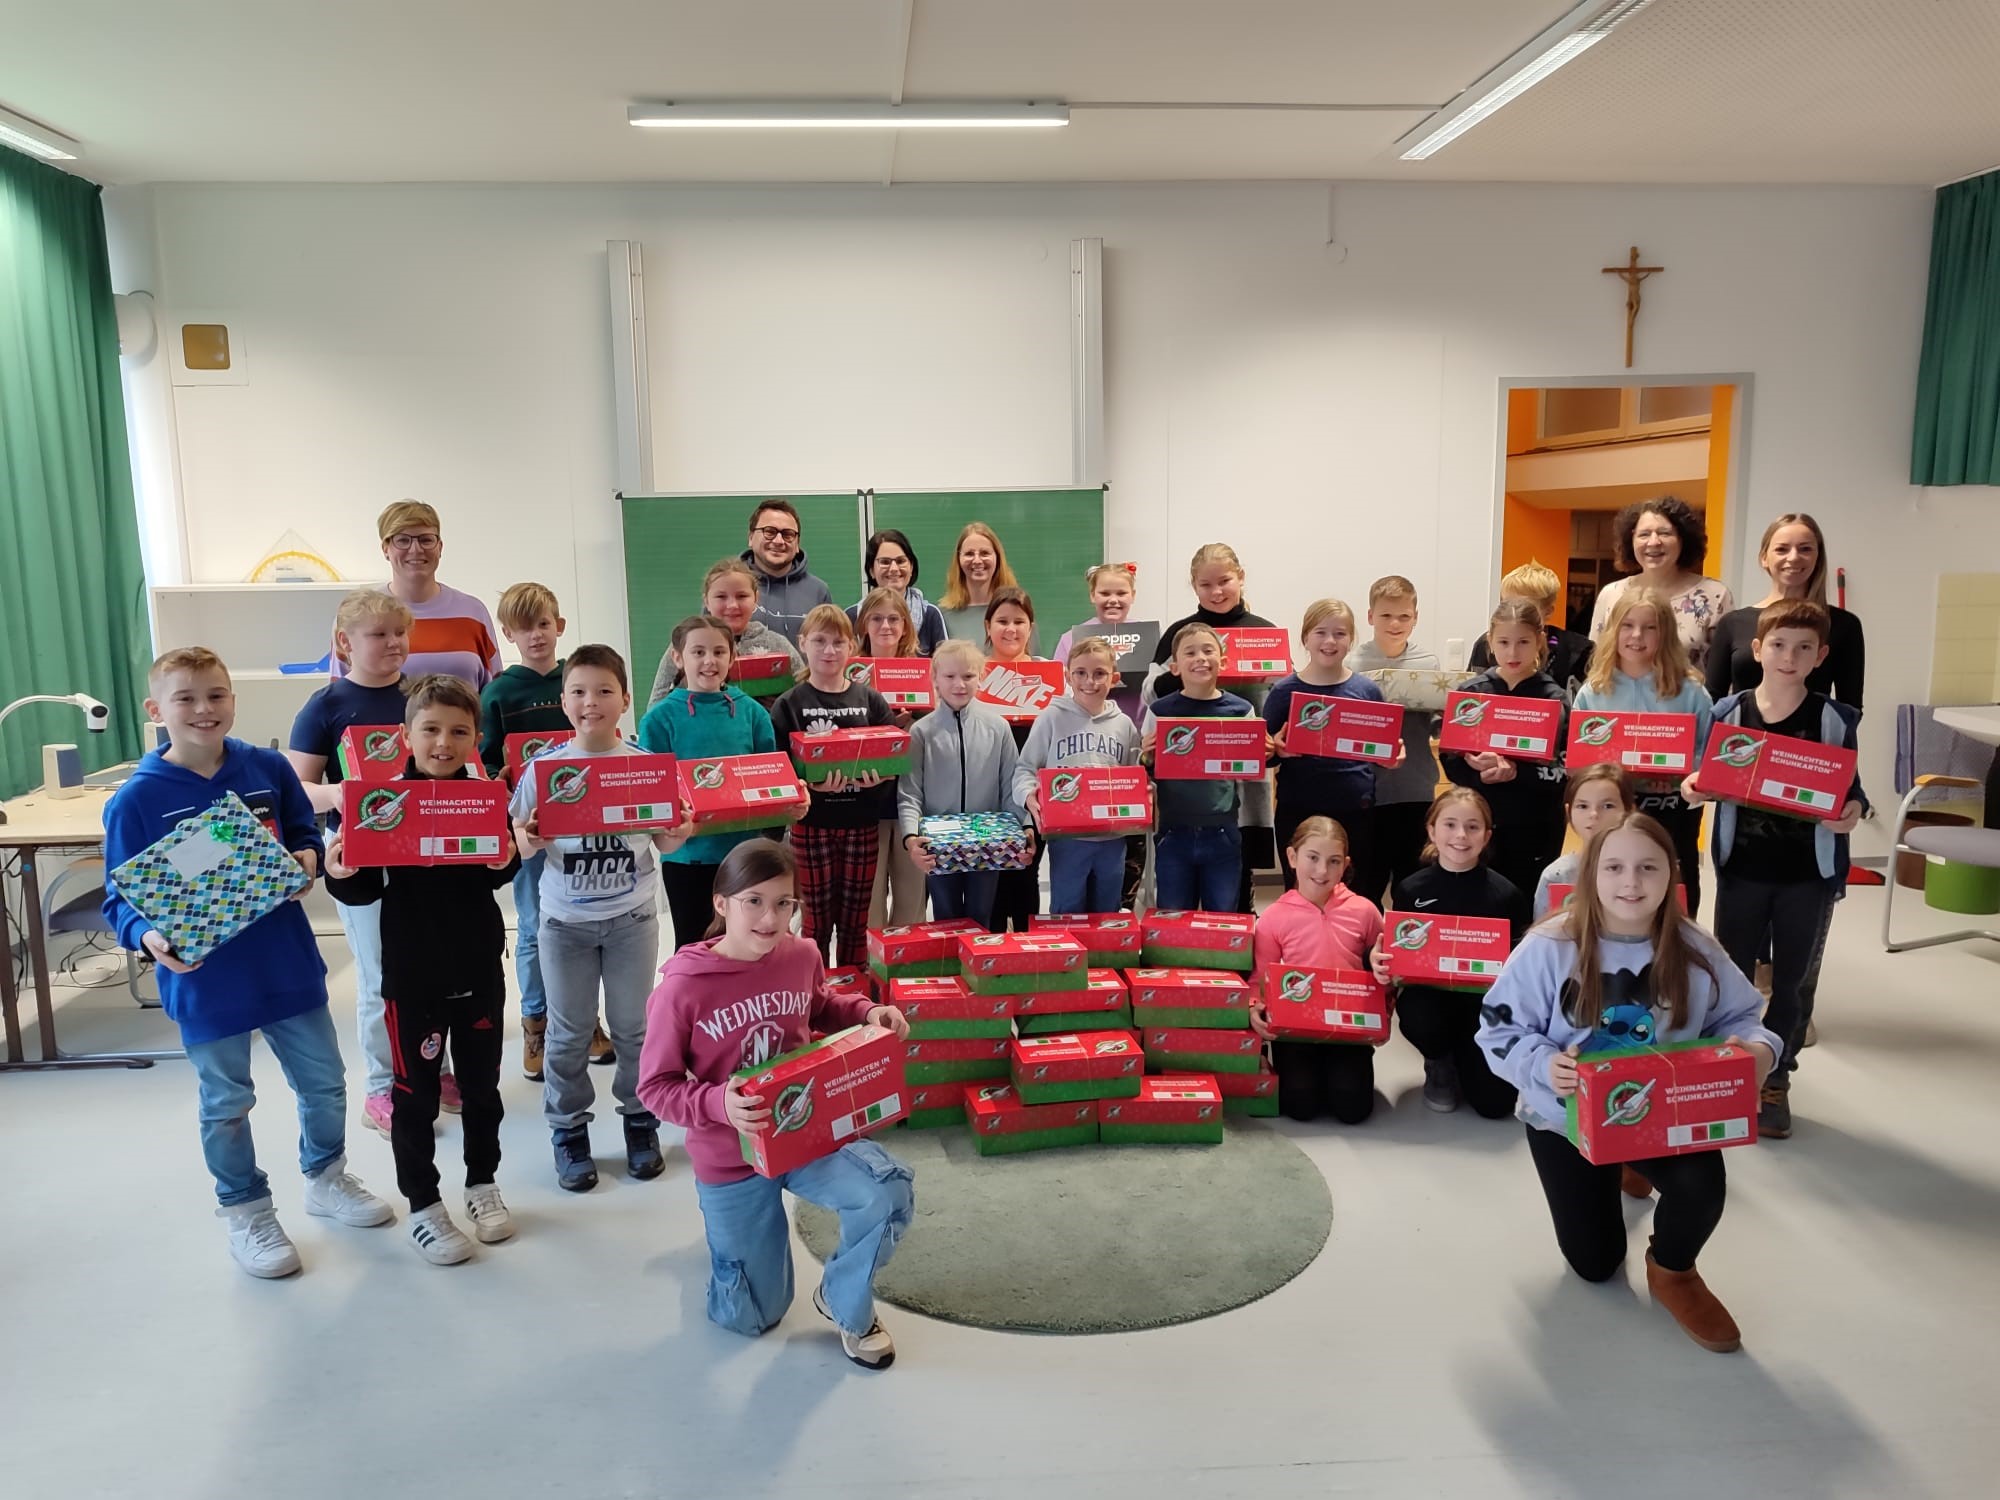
(269, 972)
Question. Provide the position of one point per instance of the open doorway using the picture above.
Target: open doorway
(1577, 452)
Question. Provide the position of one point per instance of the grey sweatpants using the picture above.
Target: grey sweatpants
(622, 954)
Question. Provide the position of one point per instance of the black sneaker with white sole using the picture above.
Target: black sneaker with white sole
(873, 1350)
(643, 1157)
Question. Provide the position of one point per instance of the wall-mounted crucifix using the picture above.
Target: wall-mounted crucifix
(1632, 273)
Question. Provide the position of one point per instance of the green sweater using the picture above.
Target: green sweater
(518, 701)
(696, 726)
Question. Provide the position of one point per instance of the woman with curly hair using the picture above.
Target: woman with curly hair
(1666, 542)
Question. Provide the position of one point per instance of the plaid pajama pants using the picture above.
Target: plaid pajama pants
(836, 878)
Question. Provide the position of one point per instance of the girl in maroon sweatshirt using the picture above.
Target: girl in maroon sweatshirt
(746, 994)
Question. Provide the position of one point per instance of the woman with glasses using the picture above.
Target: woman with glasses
(788, 592)
(451, 631)
(891, 563)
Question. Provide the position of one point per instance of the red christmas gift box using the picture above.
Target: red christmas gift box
(881, 748)
(1021, 689)
(1112, 938)
(1104, 1004)
(1518, 728)
(1171, 1108)
(1193, 1049)
(1087, 1065)
(605, 794)
(955, 1059)
(1189, 997)
(1198, 939)
(1094, 802)
(1209, 749)
(919, 950)
(524, 747)
(934, 1105)
(823, 1096)
(1254, 1094)
(1559, 896)
(762, 674)
(1647, 745)
(1776, 772)
(1344, 728)
(1003, 1123)
(1667, 1101)
(851, 982)
(1451, 953)
(423, 822)
(904, 680)
(942, 1006)
(1326, 1005)
(372, 753)
(1022, 963)
(1255, 653)
(735, 793)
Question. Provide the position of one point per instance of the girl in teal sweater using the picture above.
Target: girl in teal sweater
(704, 717)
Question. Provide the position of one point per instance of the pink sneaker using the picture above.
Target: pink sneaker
(376, 1112)
(448, 1097)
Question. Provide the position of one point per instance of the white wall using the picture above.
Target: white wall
(1333, 412)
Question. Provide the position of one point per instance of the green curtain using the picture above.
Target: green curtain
(72, 584)
(1957, 439)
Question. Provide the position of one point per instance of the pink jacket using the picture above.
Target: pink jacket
(1294, 931)
(711, 1016)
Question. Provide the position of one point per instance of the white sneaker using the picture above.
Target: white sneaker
(437, 1238)
(488, 1212)
(873, 1350)
(338, 1194)
(258, 1241)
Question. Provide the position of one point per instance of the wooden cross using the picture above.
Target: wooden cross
(1632, 273)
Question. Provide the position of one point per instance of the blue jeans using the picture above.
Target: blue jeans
(750, 1243)
(964, 896)
(1198, 869)
(363, 926)
(1086, 875)
(309, 1051)
(528, 936)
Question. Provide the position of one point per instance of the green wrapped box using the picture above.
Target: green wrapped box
(1076, 1020)
(1184, 1109)
(1004, 1123)
(1187, 1049)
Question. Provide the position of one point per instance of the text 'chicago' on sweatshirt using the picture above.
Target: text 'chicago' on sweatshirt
(711, 1016)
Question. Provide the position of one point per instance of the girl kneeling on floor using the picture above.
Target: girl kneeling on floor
(1621, 966)
(747, 993)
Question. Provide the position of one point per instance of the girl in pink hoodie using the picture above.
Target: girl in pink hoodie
(1321, 924)
(746, 994)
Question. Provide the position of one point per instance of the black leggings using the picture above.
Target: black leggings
(1020, 895)
(1683, 825)
(690, 899)
(1793, 919)
(1325, 1078)
(1357, 822)
(1442, 1024)
(1522, 851)
(1585, 1204)
(1392, 851)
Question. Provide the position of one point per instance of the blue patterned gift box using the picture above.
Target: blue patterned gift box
(968, 842)
(214, 875)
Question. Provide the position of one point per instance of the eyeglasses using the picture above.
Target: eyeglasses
(405, 542)
(777, 534)
(787, 906)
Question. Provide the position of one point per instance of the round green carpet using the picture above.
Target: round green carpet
(1096, 1239)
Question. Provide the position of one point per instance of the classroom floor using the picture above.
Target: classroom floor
(1437, 1346)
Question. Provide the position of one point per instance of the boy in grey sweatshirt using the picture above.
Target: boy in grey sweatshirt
(1085, 875)
(962, 759)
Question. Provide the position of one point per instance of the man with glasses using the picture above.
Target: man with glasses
(452, 631)
(786, 591)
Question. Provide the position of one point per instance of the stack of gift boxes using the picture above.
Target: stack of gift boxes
(1028, 1038)
(1191, 1002)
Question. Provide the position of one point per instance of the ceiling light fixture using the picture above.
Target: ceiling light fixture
(845, 114)
(24, 134)
(1575, 34)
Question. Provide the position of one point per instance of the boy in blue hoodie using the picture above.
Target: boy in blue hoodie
(268, 978)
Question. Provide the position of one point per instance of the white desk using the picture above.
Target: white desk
(36, 823)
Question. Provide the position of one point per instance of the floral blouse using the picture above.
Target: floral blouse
(1697, 610)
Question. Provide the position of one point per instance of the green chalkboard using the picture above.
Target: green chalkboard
(671, 541)
(1052, 538)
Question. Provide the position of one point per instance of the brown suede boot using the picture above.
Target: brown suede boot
(533, 1031)
(1632, 1184)
(1693, 1305)
(601, 1050)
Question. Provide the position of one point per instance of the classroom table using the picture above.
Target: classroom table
(35, 823)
